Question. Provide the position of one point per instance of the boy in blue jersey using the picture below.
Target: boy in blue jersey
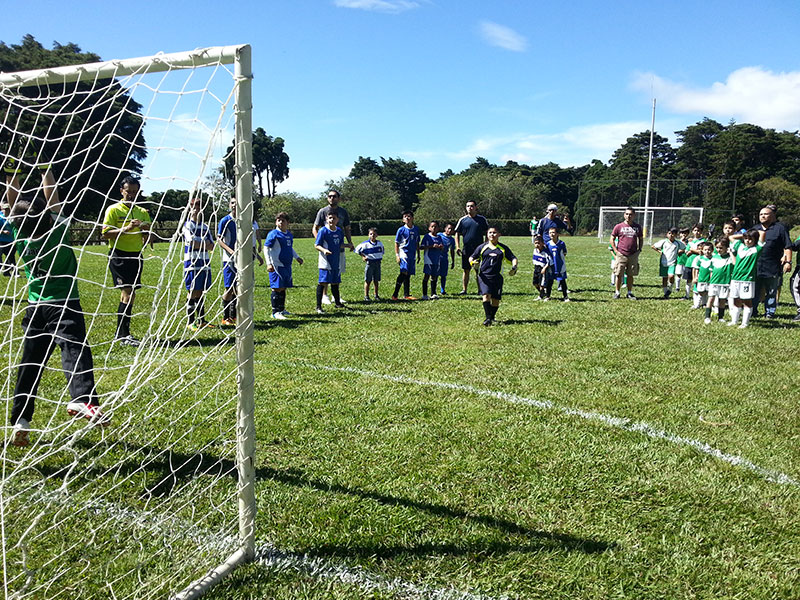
(280, 252)
(558, 254)
(406, 246)
(488, 260)
(432, 247)
(542, 267)
(371, 251)
(226, 238)
(448, 259)
(7, 249)
(198, 243)
(329, 243)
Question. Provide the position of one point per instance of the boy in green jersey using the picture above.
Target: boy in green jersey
(743, 277)
(702, 274)
(720, 279)
(54, 316)
(693, 252)
(680, 263)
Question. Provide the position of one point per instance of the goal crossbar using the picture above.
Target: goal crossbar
(120, 68)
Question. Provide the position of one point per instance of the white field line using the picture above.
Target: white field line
(617, 422)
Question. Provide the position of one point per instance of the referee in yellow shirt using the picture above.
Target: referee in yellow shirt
(127, 229)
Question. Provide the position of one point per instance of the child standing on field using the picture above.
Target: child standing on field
(693, 252)
(719, 281)
(280, 252)
(198, 243)
(488, 260)
(669, 248)
(329, 244)
(680, 263)
(432, 247)
(371, 251)
(702, 274)
(558, 254)
(542, 267)
(743, 277)
(448, 259)
(406, 248)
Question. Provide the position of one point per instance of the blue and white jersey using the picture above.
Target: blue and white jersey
(196, 259)
(407, 240)
(278, 248)
(541, 258)
(6, 234)
(373, 251)
(330, 240)
(558, 254)
(226, 231)
(432, 255)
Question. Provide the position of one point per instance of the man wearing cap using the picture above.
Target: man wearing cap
(551, 219)
(775, 259)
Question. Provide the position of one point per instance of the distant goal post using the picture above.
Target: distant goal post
(655, 220)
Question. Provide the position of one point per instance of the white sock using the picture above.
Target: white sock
(735, 313)
(747, 311)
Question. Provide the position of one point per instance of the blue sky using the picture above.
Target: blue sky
(443, 81)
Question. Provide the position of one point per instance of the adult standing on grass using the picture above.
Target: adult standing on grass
(470, 232)
(126, 226)
(550, 220)
(334, 197)
(627, 239)
(775, 259)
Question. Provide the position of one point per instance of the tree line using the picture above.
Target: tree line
(725, 168)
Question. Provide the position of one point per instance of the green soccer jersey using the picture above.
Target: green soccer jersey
(721, 269)
(746, 259)
(703, 266)
(691, 246)
(118, 216)
(50, 264)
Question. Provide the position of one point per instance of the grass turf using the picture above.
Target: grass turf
(385, 468)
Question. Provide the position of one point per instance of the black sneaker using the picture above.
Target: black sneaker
(129, 340)
(631, 296)
(487, 322)
(462, 293)
(796, 318)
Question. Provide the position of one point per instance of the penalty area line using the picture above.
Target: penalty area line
(616, 422)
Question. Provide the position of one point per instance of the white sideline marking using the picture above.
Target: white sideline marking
(618, 422)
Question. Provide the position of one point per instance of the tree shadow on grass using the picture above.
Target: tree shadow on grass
(548, 322)
(170, 470)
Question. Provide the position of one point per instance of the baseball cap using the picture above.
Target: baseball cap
(552, 207)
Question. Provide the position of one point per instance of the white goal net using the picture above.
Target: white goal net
(159, 500)
(655, 221)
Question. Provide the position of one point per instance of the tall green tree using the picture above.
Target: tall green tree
(630, 160)
(368, 198)
(366, 166)
(405, 178)
(270, 162)
(90, 132)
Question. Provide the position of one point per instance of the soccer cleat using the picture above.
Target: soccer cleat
(320, 311)
(409, 298)
(707, 321)
(20, 434)
(128, 340)
(668, 293)
(537, 298)
(377, 298)
(395, 298)
(426, 297)
(434, 297)
(566, 299)
(339, 305)
(731, 323)
(487, 322)
(279, 316)
(462, 293)
(192, 327)
(228, 323)
(206, 325)
(286, 313)
(631, 296)
(546, 299)
(796, 318)
(743, 326)
(722, 322)
(88, 411)
(616, 295)
(367, 299)
(326, 300)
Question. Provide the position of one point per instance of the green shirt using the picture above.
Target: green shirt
(118, 216)
(746, 259)
(703, 266)
(50, 264)
(721, 269)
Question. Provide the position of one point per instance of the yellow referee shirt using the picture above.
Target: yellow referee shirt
(118, 216)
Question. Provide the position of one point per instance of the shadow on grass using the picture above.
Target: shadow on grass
(549, 322)
(171, 470)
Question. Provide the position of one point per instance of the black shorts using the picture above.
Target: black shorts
(126, 268)
(490, 285)
(466, 252)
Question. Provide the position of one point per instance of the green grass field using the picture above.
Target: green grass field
(596, 449)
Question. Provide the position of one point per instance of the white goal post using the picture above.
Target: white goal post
(162, 501)
(655, 220)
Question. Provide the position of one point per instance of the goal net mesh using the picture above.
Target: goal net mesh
(655, 221)
(143, 507)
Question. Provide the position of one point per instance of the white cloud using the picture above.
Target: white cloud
(750, 94)
(385, 6)
(503, 37)
(310, 181)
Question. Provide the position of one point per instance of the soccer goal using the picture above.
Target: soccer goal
(160, 502)
(655, 221)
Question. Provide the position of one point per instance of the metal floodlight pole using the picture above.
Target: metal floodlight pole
(649, 167)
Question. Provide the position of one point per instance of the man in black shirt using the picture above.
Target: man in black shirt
(774, 261)
(470, 233)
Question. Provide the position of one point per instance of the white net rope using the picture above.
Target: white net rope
(144, 506)
(656, 221)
